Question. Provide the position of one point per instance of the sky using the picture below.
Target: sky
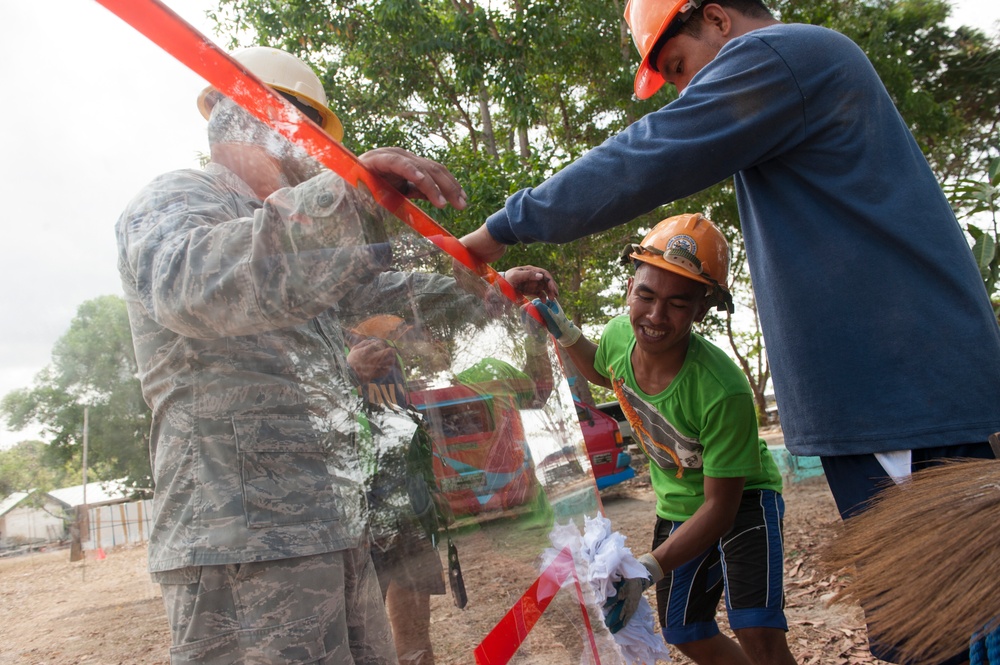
(94, 111)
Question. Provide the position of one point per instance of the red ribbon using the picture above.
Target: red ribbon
(183, 41)
(500, 645)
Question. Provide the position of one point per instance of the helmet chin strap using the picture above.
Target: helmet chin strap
(722, 299)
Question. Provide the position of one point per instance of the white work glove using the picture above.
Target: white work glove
(564, 330)
(618, 609)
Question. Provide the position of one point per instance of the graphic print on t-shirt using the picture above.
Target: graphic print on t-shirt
(656, 436)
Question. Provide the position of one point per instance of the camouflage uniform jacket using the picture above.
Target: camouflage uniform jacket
(235, 308)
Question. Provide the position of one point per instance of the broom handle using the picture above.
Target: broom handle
(183, 41)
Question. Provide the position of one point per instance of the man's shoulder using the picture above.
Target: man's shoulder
(783, 56)
(795, 31)
(181, 184)
(784, 38)
(714, 361)
(183, 175)
(618, 323)
(180, 179)
(710, 349)
(617, 332)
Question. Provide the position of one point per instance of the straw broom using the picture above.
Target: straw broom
(925, 557)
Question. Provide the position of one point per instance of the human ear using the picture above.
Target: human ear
(628, 290)
(717, 18)
(628, 286)
(702, 309)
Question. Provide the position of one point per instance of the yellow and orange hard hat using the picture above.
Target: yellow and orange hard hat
(289, 75)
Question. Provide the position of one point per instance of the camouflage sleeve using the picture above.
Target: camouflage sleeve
(207, 265)
(401, 292)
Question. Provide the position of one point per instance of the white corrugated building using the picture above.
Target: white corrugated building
(32, 517)
(98, 494)
(112, 518)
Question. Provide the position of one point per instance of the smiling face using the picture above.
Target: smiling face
(663, 306)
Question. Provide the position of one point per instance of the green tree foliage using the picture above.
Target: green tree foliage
(508, 93)
(945, 82)
(25, 467)
(975, 198)
(505, 95)
(93, 367)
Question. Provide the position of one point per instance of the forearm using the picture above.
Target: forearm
(435, 296)
(709, 523)
(712, 140)
(579, 201)
(537, 363)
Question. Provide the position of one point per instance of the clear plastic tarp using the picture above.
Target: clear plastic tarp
(309, 357)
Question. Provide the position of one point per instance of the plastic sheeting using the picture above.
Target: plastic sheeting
(602, 558)
(468, 450)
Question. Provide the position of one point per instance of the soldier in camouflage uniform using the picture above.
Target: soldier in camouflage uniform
(235, 279)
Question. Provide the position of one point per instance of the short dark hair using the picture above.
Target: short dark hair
(693, 24)
(751, 8)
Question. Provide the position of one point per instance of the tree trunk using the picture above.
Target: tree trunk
(484, 110)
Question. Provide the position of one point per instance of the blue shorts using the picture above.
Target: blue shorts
(747, 563)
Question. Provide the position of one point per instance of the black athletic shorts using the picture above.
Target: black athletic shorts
(746, 563)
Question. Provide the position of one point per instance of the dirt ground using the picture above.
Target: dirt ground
(106, 611)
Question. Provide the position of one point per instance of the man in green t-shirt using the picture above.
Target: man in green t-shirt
(718, 491)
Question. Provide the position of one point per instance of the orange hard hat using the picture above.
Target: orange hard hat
(691, 246)
(648, 20)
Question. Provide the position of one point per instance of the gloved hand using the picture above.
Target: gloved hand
(564, 330)
(618, 609)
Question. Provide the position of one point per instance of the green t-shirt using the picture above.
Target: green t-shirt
(704, 423)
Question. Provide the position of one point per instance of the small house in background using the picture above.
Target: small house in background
(112, 518)
(32, 518)
(97, 494)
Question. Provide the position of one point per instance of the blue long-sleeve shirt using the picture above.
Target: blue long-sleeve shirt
(878, 327)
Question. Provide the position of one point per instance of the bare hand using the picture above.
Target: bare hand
(483, 246)
(532, 282)
(415, 177)
(371, 358)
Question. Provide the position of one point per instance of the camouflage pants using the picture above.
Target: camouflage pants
(325, 609)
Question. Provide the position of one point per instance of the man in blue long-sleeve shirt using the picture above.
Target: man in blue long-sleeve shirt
(883, 344)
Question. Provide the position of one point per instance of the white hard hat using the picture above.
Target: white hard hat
(288, 74)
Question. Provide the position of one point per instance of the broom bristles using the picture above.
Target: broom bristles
(926, 559)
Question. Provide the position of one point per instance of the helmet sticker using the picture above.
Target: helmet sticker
(684, 242)
(682, 250)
